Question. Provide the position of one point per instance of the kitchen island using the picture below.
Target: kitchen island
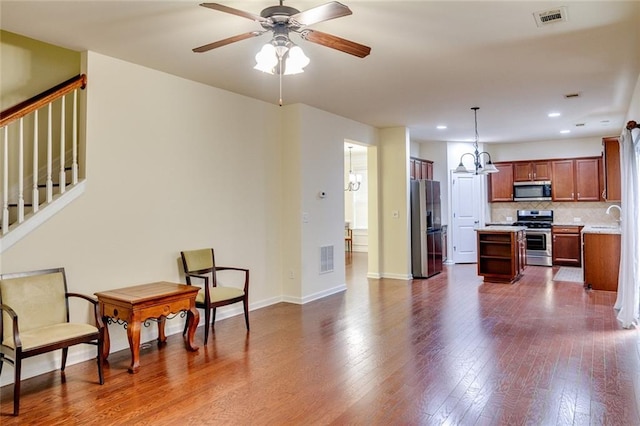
(601, 257)
(502, 252)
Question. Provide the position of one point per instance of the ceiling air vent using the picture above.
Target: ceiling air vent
(572, 95)
(547, 17)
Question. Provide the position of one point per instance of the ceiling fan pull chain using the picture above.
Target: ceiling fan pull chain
(280, 78)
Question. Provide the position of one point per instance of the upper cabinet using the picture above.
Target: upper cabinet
(501, 183)
(611, 150)
(420, 169)
(576, 179)
(524, 171)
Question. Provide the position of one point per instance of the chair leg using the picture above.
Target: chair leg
(1, 362)
(207, 316)
(213, 319)
(65, 352)
(17, 364)
(245, 303)
(100, 362)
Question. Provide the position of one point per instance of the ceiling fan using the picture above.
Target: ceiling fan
(281, 20)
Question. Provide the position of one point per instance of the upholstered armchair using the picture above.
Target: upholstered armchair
(201, 264)
(34, 319)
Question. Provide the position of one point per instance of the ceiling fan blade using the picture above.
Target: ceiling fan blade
(321, 13)
(226, 41)
(237, 12)
(334, 42)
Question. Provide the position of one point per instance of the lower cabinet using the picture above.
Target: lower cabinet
(501, 255)
(566, 246)
(601, 261)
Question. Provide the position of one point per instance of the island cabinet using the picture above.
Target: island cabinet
(576, 179)
(566, 247)
(501, 253)
(524, 171)
(601, 260)
(500, 185)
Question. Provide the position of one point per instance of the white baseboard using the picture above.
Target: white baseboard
(315, 296)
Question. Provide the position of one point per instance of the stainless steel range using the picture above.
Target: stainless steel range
(538, 223)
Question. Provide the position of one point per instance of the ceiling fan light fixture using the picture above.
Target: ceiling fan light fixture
(296, 61)
(266, 59)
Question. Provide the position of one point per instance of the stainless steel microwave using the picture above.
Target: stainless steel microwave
(532, 191)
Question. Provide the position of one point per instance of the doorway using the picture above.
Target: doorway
(356, 199)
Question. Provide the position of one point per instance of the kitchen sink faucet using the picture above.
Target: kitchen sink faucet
(619, 210)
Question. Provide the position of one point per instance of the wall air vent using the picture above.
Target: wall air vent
(326, 259)
(551, 16)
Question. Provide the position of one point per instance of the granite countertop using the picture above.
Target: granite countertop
(602, 229)
(501, 228)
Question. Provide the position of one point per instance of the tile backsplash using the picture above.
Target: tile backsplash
(563, 212)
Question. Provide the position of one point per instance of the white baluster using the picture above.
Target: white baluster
(49, 159)
(62, 179)
(74, 165)
(35, 196)
(5, 182)
(21, 170)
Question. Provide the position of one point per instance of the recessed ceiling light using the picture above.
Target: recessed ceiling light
(565, 131)
(441, 127)
(553, 114)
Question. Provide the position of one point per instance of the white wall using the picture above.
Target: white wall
(172, 165)
(320, 137)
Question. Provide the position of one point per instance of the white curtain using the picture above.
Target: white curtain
(628, 301)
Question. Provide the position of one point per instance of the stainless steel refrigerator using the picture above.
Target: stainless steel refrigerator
(426, 228)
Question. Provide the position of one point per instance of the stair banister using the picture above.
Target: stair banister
(16, 114)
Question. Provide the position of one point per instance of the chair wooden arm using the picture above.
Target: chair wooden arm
(246, 274)
(96, 307)
(16, 333)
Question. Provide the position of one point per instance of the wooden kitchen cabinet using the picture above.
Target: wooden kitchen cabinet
(601, 261)
(566, 247)
(501, 255)
(500, 185)
(420, 169)
(611, 172)
(524, 171)
(576, 179)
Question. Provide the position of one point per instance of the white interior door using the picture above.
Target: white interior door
(466, 203)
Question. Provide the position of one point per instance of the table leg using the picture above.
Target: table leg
(161, 336)
(193, 318)
(106, 344)
(133, 333)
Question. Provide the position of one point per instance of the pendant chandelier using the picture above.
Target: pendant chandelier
(479, 169)
(354, 179)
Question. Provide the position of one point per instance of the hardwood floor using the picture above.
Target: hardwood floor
(447, 350)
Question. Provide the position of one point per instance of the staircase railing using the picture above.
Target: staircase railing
(21, 128)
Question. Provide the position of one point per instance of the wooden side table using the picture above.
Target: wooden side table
(135, 305)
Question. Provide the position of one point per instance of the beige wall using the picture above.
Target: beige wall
(29, 67)
(393, 152)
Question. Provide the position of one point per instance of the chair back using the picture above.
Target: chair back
(38, 298)
(201, 260)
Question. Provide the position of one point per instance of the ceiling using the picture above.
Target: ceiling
(431, 61)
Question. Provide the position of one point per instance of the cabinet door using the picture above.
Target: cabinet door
(541, 170)
(522, 172)
(562, 185)
(566, 249)
(424, 170)
(611, 169)
(501, 183)
(587, 179)
(429, 170)
(412, 169)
